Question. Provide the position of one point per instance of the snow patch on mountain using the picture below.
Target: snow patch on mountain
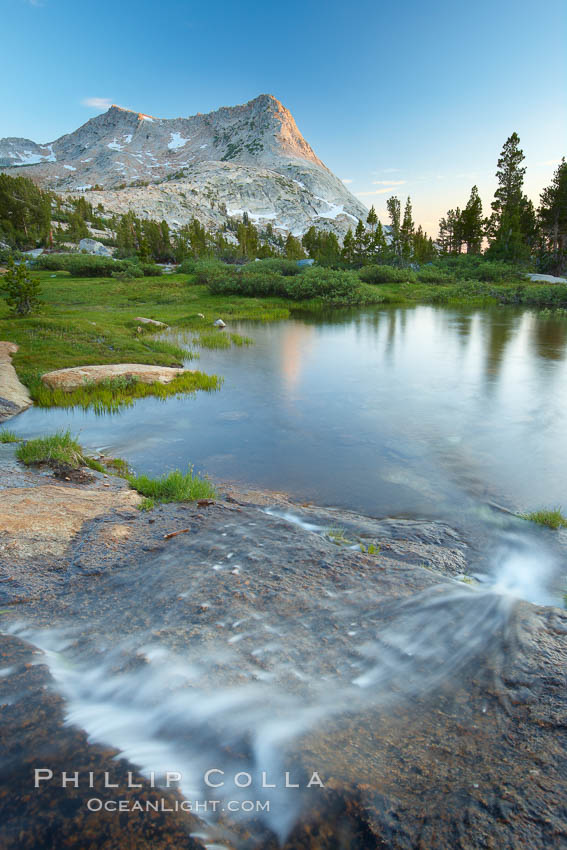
(177, 141)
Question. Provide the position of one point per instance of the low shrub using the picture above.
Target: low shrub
(256, 280)
(151, 270)
(209, 271)
(433, 274)
(131, 272)
(88, 265)
(288, 268)
(186, 267)
(386, 274)
(328, 284)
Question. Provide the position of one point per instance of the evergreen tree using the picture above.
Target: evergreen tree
(247, 236)
(450, 232)
(423, 247)
(377, 247)
(293, 249)
(348, 247)
(395, 211)
(529, 225)
(77, 228)
(505, 223)
(472, 223)
(22, 291)
(406, 233)
(372, 219)
(25, 212)
(322, 246)
(552, 214)
(360, 242)
(310, 241)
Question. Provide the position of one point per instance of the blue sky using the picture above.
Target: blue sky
(406, 98)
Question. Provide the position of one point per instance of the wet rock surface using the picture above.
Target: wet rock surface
(14, 397)
(436, 715)
(77, 376)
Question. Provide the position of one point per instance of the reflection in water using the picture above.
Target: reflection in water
(385, 411)
(294, 348)
(550, 337)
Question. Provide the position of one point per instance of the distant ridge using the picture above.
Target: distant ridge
(248, 158)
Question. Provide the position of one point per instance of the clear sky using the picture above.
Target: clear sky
(407, 98)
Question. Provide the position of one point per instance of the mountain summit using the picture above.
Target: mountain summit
(239, 159)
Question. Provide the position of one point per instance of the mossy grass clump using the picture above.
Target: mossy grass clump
(220, 339)
(550, 517)
(60, 447)
(7, 436)
(239, 340)
(115, 393)
(146, 505)
(338, 536)
(173, 486)
(212, 339)
(117, 466)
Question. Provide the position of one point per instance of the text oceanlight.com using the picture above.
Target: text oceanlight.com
(95, 804)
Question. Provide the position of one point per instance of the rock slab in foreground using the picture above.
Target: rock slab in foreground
(77, 376)
(14, 397)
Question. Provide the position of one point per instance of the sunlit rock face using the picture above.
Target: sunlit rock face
(250, 158)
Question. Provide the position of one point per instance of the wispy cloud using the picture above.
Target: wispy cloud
(375, 192)
(390, 170)
(35, 3)
(549, 162)
(388, 182)
(97, 102)
(346, 180)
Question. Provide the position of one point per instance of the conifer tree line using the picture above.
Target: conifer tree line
(514, 231)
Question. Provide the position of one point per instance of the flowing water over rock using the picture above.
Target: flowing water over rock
(284, 645)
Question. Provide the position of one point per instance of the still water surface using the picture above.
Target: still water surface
(413, 411)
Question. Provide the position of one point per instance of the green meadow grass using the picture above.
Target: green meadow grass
(173, 486)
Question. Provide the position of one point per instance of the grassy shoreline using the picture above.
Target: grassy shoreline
(86, 321)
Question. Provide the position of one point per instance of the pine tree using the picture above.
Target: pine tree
(450, 232)
(472, 223)
(25, 212)
(423, 247)
(348, 247)
(372, 219)
(552, 214)
(505, 225)
(377, 248)
(406, 233)
(310, 241)
(360, 242)
(293, 249)
(395, 212)
(22, 291)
